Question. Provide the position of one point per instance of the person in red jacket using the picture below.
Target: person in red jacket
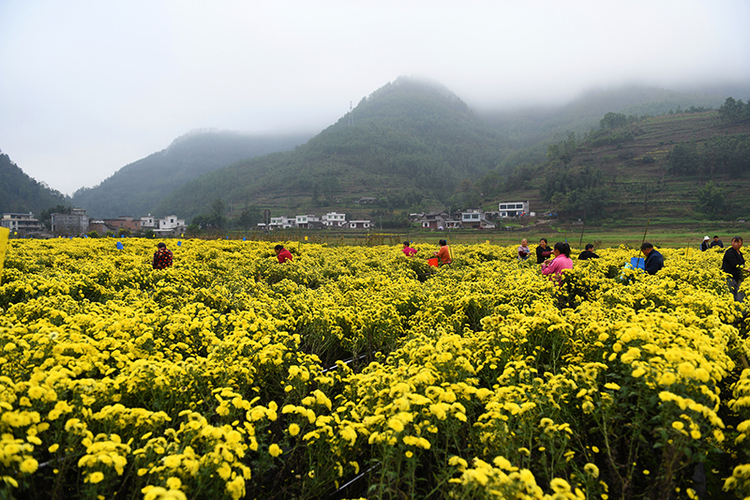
(282, 254)
(162, 257)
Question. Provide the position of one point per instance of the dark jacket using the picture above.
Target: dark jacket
(542, 254)
(654, 262)
(717, 243)
(733, 263)
(587, 254)
(705, 246)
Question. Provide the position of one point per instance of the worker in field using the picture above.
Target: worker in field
(408, 250)
(559, 263)
(654, 260)
(542, 251)
(706, 244)
(162, 257)
(282, 254)
(444, 254)
(716, 243)
(733, 264)
(523, 250)
(588, 253)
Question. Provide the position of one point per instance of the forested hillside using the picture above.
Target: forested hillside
(20, 193)
(414, 145)
(407, 142)
(138, 187)
(676, 167)
(530, 130)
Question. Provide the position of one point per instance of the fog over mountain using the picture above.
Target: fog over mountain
(89, 86)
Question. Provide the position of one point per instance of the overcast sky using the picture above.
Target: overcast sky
(89, 86)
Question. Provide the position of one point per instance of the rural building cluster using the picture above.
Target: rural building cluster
(469, 219)
(77, 222)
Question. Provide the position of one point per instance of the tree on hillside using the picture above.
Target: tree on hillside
(249, 217)
(582, 202)
(684, 159)
(734, 111)
(491, 185)
(566, 179)
(316, 194)
(217, 212)
(613, 120)
(331, 187)
(215, 219)
(711, 199)
(563, 151)
(575, 190)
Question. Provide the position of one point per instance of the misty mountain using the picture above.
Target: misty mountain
(407, 141)
(528, 127)
(19, 193)
(138, 188)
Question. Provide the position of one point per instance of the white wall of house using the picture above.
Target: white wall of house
(359, 224)
(513, 208)
(171, 222)
(334, 219)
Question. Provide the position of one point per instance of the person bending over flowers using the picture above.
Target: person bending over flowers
(282, 254)
(444, 254)
(409, 251)
(559, 263)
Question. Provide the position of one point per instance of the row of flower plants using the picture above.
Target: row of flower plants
(358, 372)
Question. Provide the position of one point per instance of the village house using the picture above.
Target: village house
(513, 208)
(334, 219)
(359, 224)
(169, 225)
(475, 219)
(21, 223)
(282, 222)
(76, 223)
(124, 222)
(434, 220)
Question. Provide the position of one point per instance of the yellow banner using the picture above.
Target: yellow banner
(4, 232)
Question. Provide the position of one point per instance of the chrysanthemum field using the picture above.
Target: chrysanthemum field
(358, 372)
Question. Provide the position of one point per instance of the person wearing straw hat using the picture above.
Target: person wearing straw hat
(705, 245)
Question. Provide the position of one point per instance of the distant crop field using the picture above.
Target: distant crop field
(355, 371)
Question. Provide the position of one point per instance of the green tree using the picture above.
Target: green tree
(217, 213)
(249, 217)
(316, 194)
(683, 159)
(733, 111)
(711, 199)
(613, 120)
